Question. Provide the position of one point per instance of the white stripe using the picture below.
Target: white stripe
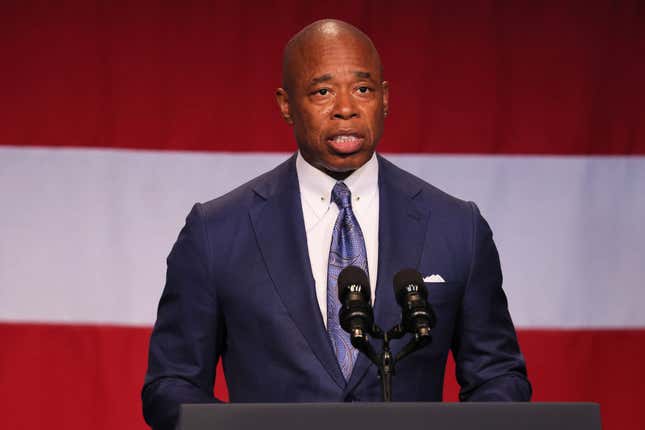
(85, 233)
(569, 231)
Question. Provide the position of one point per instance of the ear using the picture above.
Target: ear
(385, 85)
(282, 97)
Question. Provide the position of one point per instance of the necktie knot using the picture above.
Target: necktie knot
(341, 195)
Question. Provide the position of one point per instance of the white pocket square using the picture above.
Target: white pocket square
(433, 278)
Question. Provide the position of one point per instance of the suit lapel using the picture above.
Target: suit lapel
(279, 227)
(403, 220)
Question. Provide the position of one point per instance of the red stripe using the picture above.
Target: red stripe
(491, 78)
(603, 366)
(79, 377)
(83, 377)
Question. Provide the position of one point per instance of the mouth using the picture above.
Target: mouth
(346, 142)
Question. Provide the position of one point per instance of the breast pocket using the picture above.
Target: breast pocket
(444, 292)
(445, 299)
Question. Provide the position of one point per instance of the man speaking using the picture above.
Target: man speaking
(252, 276)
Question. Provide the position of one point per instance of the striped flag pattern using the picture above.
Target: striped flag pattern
(115, 118)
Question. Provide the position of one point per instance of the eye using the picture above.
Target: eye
(364, 90)
(323, 91)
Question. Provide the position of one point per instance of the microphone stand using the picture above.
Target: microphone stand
(386, 362)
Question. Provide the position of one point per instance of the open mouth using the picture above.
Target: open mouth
(346, 143)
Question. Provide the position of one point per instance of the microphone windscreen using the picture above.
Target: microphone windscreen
(407, 281)
(349, 279)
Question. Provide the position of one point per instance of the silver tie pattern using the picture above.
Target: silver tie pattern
(347, 249)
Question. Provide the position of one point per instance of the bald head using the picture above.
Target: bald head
(334, 96)
(320, 37)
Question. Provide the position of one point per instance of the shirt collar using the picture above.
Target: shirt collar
(316, 186)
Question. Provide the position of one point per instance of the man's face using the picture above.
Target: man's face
(336, 103)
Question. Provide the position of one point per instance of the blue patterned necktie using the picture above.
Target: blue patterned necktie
(347, 249)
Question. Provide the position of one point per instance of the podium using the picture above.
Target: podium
(391, 416)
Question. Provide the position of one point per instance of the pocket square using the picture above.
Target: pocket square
(433, 278)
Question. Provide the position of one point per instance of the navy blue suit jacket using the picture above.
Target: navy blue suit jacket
(239, 286)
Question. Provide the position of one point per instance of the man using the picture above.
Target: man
(252, 275)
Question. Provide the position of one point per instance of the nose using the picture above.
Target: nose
(344, 106)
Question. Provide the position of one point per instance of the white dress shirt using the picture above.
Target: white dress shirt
(320, 215)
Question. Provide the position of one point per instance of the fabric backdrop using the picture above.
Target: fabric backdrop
(115, 117)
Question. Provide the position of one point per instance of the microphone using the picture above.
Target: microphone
(411, 294)
(356, 316)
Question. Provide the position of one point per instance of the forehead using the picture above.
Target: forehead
(335, 57)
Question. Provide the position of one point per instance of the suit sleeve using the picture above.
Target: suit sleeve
(186, 340)
(489, 364)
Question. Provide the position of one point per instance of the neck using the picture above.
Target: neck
(339, 176)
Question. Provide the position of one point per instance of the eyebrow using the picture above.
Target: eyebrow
(323, 78)
(364, 75)
(328, 77)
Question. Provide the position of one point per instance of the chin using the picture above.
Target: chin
(345, 165)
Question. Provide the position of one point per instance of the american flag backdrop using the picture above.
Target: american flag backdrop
(115, 117)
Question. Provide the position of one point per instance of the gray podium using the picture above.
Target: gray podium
(391, 416)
